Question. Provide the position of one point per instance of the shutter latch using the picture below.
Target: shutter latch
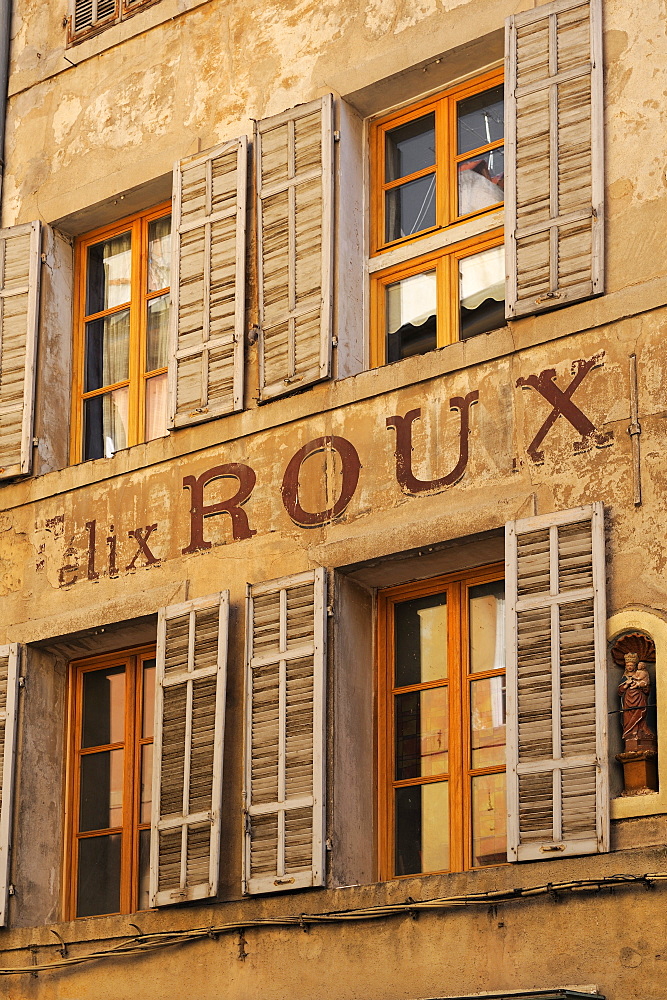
(548, 848)
(546, 296)
(283, 881)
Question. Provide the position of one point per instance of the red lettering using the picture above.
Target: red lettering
(290, 487)
(199, 510)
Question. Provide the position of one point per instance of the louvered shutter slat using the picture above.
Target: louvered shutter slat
(208, 285)
(93, 13)
(557, 793)
(187, 780)
(10, 660)
(19, 303)
(554, 172)
(284, 777)
(295, 246)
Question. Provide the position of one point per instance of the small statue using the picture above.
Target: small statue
(634, 691)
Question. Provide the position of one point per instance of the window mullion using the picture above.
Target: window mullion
(136, 333)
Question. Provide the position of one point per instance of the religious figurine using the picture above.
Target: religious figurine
(639, 757)
(634, 691)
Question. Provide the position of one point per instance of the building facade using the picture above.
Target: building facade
(333, 619)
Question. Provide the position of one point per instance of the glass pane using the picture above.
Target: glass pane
(159, 253)
(98, 883)
(486, 607)
(107, 350)
(156, 407)
(489, 842)
(480, 119)
(481, 182)
(103, 707)
(146, 783)
(482, 292)
(148, 707)
(422, 828)
(410, 147)
(409, 208)
(420, 638)
(143, 901)
(109, 273)
(157, 333)
(411, 316)
(105, 424)
(101, 805)
(487, 722)
(422, 733)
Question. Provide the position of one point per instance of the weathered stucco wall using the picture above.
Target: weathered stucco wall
(100, 545)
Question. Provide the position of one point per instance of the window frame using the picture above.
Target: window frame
(452, 237)
(460, 773)
(132, 825)
(137, 225)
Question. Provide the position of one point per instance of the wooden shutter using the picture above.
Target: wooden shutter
(295, 244)
(554, 147)
(557, 794)
(208, 285)
(284, 756)
(10, 658)
(88, 14)
(189, 734)
(19, 309)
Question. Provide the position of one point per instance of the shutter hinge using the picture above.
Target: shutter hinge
(35, 442)
(22, 682)
(334, 341)
(336, 136)
(11, 889)
(247, 822)
(328, 844)
(330, 610)
(253, 334)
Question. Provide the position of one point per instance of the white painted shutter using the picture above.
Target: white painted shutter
(557, 787)
(294, 154)
(92, 14)
(284, 734)
(10, 659)
(554, 183)
(208, 284)
(189, 735)
(19, 309)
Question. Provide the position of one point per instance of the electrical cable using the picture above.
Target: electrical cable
(142, 944)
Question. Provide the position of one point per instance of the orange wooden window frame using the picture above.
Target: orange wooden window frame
(138, 227)
(133, 661)
(460, 773)
(443, 106)
(444, 260)
(445, 263)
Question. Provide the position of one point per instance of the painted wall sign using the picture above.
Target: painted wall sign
(104, 549)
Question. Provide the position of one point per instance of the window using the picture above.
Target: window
(436, 166)
(110, 782)
(88, 17)
(121, 335)
(442, 724)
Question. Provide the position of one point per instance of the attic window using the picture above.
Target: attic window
(88, 17)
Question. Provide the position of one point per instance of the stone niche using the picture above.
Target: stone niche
(634, 654)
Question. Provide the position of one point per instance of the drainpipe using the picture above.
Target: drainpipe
(5, 28)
